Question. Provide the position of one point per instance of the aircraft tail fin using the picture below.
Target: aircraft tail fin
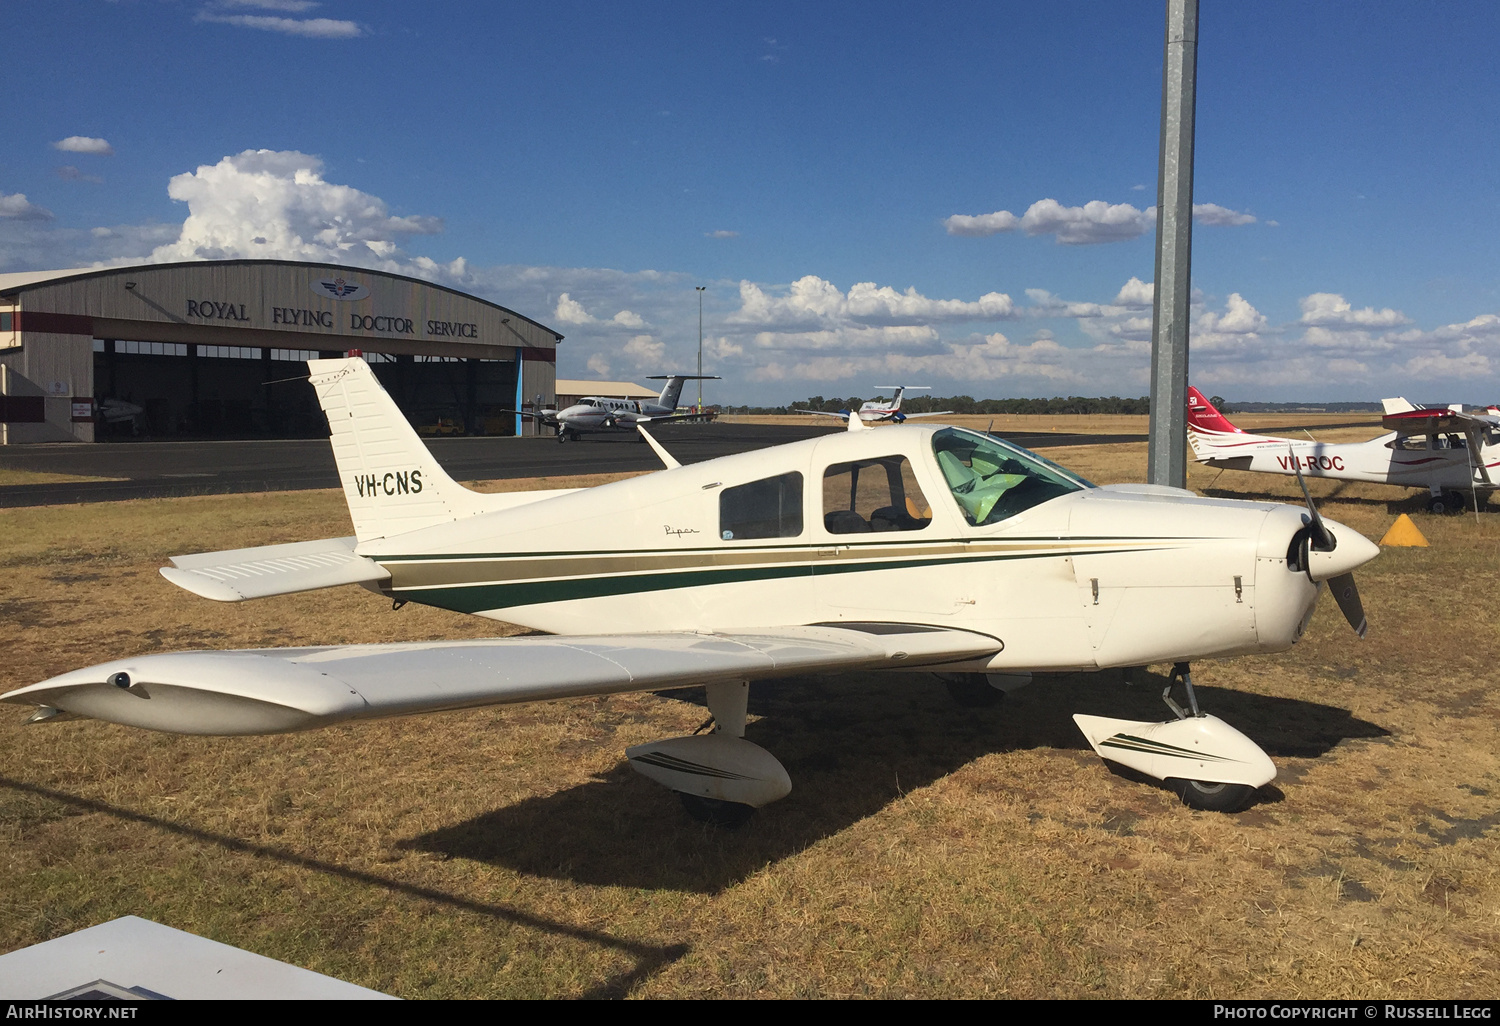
(1210, 433)
(673, 390)
(1396, 405)
(391, 481)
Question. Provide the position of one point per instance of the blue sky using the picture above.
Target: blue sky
(953, 195)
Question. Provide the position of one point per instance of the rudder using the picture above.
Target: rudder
(391, 481)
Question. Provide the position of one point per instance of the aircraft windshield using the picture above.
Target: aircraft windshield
(992, 480)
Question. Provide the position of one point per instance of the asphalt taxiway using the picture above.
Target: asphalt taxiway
(158, 469)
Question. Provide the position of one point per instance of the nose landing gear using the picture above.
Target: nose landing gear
(1208, 763)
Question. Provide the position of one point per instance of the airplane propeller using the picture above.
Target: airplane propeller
(1316, 537)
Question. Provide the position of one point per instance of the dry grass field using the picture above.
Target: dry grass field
(926, 850)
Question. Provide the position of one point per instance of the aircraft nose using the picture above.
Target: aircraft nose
(1351, 550)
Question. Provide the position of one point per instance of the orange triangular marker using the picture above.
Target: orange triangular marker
(1404, 532)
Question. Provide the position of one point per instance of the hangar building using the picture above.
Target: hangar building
(215, 348)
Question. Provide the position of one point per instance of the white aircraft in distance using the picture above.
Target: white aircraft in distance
(605, 413)
(878, 410)
(933, 548)
(1442, 449)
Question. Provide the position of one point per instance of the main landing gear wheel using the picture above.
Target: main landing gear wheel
(715, 810)
(1211, 796)
(972, 690)
(1448, 502)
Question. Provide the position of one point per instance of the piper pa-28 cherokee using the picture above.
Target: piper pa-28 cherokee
(605, 413)
(934, 548)
(879, 410)
(1442, 449)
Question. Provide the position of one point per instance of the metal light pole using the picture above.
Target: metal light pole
(1166, 462)
(700, 289)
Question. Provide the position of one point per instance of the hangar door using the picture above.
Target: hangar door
(177, 390)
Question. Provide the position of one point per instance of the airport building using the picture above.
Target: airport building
(216, 349)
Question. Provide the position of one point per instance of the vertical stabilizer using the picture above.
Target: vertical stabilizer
(391, 481)
(672, 392)
(1210, 433)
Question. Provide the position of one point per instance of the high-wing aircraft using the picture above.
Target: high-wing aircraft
(1442, 449)
(879, 410)
(933, 548)
(606, 413)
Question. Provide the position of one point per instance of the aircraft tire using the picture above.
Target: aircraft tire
(972, 690)
(564, 436)
(1211, 796)
(716, 811)
(1446, 504)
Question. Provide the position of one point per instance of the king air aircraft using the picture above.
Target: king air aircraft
(1442, 449)
(880, 411)
(933, 548)
(605, 413)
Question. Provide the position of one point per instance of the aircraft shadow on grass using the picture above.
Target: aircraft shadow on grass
(852, 745)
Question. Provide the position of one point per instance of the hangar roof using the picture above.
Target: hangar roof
(609, 389)
(314, 301)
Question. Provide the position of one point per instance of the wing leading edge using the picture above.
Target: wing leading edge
(267, 691)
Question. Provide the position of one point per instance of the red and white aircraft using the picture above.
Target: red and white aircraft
(1442, 449)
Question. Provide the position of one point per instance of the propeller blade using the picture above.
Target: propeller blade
(1321, 539)
(1347, 596)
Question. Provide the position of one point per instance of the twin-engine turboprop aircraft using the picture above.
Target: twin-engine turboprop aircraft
(932, 548)
(606, 413)
(1442, 449)
(879, 410)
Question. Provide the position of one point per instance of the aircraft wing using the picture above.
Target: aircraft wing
(822, 413)
(668, 417)
(1419, 422)
(237, 574)
(265, 691)
(939, 413)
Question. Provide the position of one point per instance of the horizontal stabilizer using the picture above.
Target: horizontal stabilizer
(238, 574)
(265, 691)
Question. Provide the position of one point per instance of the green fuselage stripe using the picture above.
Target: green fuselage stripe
(475, 598)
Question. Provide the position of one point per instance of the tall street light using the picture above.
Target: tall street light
(700, 289)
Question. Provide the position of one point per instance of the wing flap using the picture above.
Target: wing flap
(275, 690)
(238, 574)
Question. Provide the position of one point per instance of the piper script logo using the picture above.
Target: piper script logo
(339, 288)
(402, 482)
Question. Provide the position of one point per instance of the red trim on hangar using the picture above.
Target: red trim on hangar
(60, 324)
(530, 353)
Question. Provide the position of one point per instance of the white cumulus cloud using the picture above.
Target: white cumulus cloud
(18, 207)
(811, 301)
(722, 233)
(309, 28)
(982, 224)
(1094, 222)
(645, 351)
(84, 144)
(1136, 293)
(1212, 213)
(570, 311)
(281, 198)
(626, 319)
(599, 365)
(1330, 308)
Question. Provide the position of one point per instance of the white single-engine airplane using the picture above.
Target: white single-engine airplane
(1442, 449)
(879, 410)
(605, 413)
(932, 548)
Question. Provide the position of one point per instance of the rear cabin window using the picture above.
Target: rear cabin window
(871, 496)
(770, 508)
(992, 479)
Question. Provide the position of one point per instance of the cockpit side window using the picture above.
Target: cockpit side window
(769, 508)
(992, 480)
(871, 496)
